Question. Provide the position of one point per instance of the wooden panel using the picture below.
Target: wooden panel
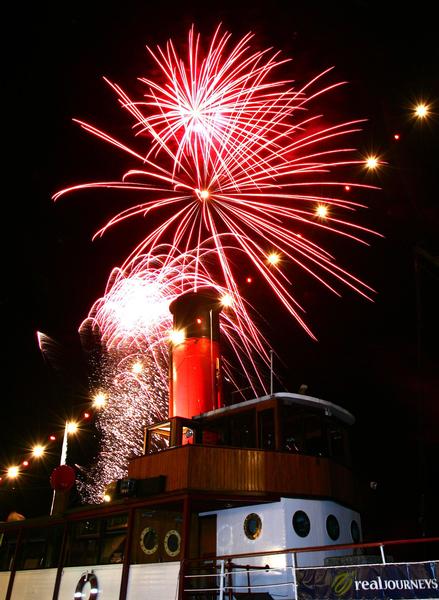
(240, 470)
(172, 463)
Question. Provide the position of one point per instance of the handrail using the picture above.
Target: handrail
(331, 547)
(225, 570)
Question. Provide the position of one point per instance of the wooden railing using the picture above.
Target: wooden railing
(243, 470)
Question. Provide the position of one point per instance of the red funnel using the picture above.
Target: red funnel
(195, 382)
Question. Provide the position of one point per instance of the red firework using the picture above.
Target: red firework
(243, 166)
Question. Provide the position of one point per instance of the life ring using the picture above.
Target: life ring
(94, 587)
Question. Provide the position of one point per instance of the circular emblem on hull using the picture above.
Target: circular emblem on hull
(172, 542)
(149, 540)
(88, 580)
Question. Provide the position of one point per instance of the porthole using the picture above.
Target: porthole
(301, 523)
(355, 532)
(333, 527)
(252, 526)
(172, 542)
(149, 541)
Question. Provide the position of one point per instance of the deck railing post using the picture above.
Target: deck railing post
(248, 578)
(229, 578)
(383, 556)
(293, 569)
(222, 580)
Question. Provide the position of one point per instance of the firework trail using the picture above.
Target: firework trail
(244, 166)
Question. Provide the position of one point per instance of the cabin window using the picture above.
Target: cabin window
(252, 526)
(301, 523)
(40, 548)
(8, 542)
(355, 532)
(97, 541)
(333, 527)
(84, 543)
(114, 534)
(266, 429)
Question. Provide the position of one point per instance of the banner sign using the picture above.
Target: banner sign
(402, 581)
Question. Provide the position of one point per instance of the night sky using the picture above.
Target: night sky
(379, 360)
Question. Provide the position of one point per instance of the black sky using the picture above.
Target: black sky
(378, 360)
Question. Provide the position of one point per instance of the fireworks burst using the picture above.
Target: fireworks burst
(248, 169)
(237, 170)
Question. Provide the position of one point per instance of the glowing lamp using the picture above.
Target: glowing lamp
(25, 463)
(372, 163)
(71, 427)
(38, 451)
(52, 438)
(273, 258)
(177, 336)
(107, 498)
(347, 188)
(99, 400)
(13, 472)
(421, 111)
(321, 211)
(249, 279)
(199, 321)
(396, 136)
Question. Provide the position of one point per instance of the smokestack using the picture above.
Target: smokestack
(195, 382)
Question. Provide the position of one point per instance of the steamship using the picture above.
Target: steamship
(215, 504)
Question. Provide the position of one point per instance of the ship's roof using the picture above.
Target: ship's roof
(328, 408)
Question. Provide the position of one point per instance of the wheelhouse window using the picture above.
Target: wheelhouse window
(338, 442)
(316, 443)
(266, 432)
(242, 430)
(293, 433)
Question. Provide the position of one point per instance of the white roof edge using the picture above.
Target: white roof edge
(301, 399)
